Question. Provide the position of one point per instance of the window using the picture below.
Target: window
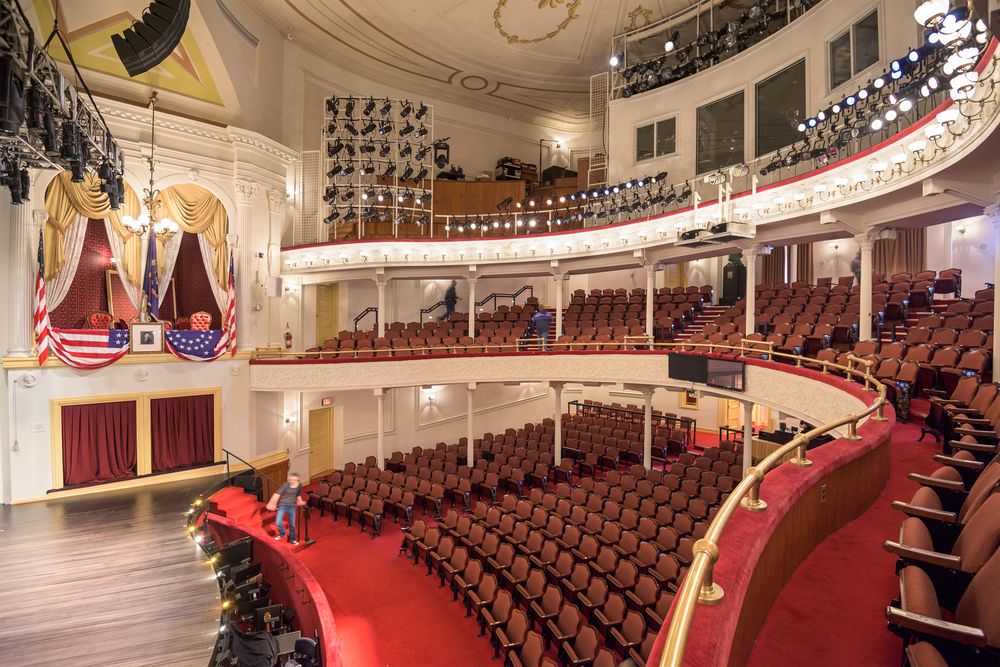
(656, 139)
(720, 133)
(854, 51)
(781, 98)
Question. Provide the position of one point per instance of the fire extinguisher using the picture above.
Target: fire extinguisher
(288, 336)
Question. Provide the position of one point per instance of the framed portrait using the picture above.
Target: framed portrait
(689, 399)
(145, 337)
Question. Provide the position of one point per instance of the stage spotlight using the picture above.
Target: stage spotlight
(385, 150)
(351, 150)
(350, 128)
(615, 60)
(347, 196)
(421, 154)
(877, 124)
(330, 193)
(420, 175)
(386, 107)
(333, 106)
(389, 171)
(425, 198)
(334, 148)
(368, 194)
(422, 132)
(384, 127)
(406, 172)
(334, 172)
(406, 110)
(350, 216)
(658, 178)
(347, 171)
(421, 112)
(369, 108)
(406, 195)
(330, 218)
(811, 122)
(671, 42)
(407, 151)
(76, 173)
(850, 101)
(406, 130)
(367, 148)
(368, 129)
(349, 108)
(505, 203)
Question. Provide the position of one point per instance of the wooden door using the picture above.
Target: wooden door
(320, 442)
(675, 275)
(327, 307)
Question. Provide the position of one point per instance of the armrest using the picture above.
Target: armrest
(936, 397)
(969, 421)
(976, 434)
(959, 463)
(972, 446)
(923, 555)
(926, 480)
(953, 409)
(914, 510)
(931, 626)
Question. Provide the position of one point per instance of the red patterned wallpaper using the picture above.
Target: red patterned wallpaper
(123, 309)
(88, 293)
(194, 292)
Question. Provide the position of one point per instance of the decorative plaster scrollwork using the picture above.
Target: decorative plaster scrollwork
(28, 380)
(571, 15)
(193, 175)
(234, 369)
(142, 375)
(276, 201)
(245, 191)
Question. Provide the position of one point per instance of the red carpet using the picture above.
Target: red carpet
(831, 612)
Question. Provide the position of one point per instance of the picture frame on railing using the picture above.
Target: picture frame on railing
(689, 399)
(145, 338)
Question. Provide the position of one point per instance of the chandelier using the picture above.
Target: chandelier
(163, 228)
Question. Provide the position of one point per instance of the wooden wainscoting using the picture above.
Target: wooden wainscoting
(851, 490)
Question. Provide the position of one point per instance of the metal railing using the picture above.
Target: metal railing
(229, 478)
(492, 297)
(364, 313)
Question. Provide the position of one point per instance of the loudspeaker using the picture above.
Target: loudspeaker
(148, 42)
(11, 96)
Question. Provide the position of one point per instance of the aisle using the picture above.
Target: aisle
(832, 598)
(388, 613)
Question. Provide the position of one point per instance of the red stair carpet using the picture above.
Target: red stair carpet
(831, 611)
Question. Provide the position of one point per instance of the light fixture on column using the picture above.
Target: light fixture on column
(291, 419)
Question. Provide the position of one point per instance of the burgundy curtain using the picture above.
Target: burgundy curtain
(804, 263)
(183, 431)
(99, 442)
(774, 266)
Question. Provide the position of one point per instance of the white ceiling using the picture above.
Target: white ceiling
(531, 59)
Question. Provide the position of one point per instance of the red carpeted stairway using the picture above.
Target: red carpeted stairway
(237, 505)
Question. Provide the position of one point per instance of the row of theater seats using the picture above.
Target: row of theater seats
(574, 557)
(948, 546)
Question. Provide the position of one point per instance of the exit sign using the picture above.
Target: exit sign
(326, 402)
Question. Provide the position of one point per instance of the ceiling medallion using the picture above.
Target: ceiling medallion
(542, 4)
(646, 14)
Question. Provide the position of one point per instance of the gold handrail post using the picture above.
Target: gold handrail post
(752, 501)
(852, 428)
(825, 370)
(710, 593)
(879, 415)
(868, 374)
(800, 459)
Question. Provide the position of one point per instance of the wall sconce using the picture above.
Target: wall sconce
(113, 263)
(364, 256)
(835, 245)
(291, 419)
(291, 288)
(960, 229)
(343, 256)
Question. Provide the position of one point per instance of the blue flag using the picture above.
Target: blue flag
(150, 284)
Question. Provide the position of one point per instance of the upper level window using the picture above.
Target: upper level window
(656, 139)
(854, 51)
(720, 133)
(781, 99)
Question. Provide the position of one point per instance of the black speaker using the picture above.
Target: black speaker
(11, 96)
(148, 42)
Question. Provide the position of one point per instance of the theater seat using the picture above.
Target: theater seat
(99, 321)
(201, 321)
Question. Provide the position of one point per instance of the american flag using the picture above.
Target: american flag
(150, 285)
(196, 345)
(230, 318)
(41, 312)
(89, 348)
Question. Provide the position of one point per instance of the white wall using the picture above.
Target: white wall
(972, 251)
(30, 468)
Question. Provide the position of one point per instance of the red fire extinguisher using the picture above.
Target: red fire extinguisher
(288, 337)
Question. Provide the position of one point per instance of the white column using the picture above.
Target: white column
(792, 258)
(647, 430)
(380, 454)
(750, 259)
(993, 213)
(557, 449)
(275, 221)
(470, 422)
(747, 436)
(472, 314)
(246, 193)
(865, 244)
(650, 297)
(381, 282)
(560, 304)
(20, 284)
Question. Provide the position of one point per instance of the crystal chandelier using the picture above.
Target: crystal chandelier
(163, 228)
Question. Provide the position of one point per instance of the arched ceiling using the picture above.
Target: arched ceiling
(530, 59)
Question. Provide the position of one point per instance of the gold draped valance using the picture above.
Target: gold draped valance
(198, 211)
(192, 207)
(65, 199)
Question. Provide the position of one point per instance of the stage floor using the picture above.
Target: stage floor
(107, 579)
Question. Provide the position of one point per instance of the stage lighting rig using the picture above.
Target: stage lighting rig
(369, 107)
(349, 126)
(406, 110)
(349, 108)
(386, 107)
(406, 196)
(421, 154)
(384, 127)
(333, 106)
(505, 203)
(385, 150)
(442, 153)
(367, 148)
(389, 171)
(368, 129)
(330, 193)
(334, 148)
(421, 112)
(422, 132)
(406, 172)
(408, 129)
(420, 175)
(406, 151)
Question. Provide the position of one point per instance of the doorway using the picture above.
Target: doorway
(327, 308)
(320, 442)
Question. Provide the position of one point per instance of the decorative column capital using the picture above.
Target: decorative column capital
(865, 242)
(472, 281)
(276, 201)
(749, 255)
(246, 191)
(39, 218)
(993, 213)
(650, 269)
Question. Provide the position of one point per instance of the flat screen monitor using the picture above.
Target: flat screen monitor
(243, 572)
(267, 618)
(726, 374)
(687, 367)
(235, 552)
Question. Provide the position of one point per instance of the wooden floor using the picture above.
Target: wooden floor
(106, 579)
